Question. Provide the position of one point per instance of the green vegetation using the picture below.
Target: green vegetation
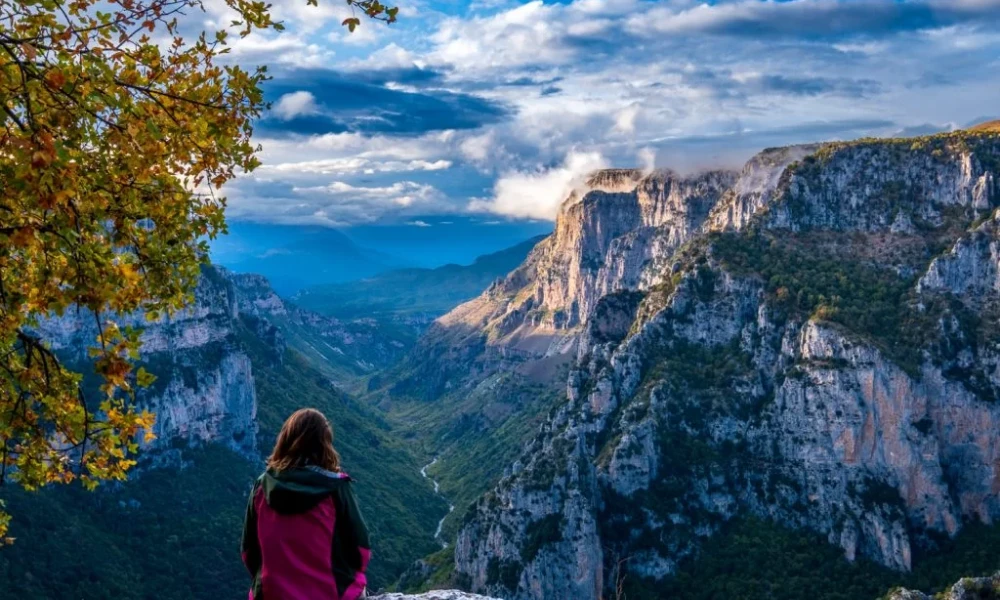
(547, 530)
(174, 533)
(400, 507)
(475, 434)
(698, 384)
(503, 572)
(751, 559)
(981, 139)
(171, 535)
(377, 342)
(438, 573)
(874, 303)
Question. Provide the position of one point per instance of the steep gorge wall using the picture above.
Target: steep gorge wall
(711, 384)
(204, 390)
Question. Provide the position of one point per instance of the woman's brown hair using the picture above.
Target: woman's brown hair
(306, 438)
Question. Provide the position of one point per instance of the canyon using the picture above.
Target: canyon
(812, 342)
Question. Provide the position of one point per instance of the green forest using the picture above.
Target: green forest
(173, 534)
(752, 559)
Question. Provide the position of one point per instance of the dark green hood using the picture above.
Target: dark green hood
(297, 490)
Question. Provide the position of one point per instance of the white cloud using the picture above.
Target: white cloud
(335, 203)
(280, 48)
(295, 104)
(402, 192)
(356, 165)
(625, 120)
(539, 194)
(526, 35)
(419, 223)
(602, 75)
(354, 153)
(477, 148)
(390, 56)
(646, 159)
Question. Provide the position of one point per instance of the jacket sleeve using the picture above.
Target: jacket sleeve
(351, 547)
(250, 546)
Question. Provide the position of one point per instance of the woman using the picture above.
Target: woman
(304, 538)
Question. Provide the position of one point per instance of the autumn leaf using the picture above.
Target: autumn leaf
(55, 78)
(109, 115)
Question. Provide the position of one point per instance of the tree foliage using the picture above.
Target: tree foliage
(118, 131)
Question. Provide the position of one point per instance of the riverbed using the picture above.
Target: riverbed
(437, 490)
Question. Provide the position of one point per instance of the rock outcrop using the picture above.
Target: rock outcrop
(204, 391)
(970, 588)
(435, 595)
(813, 340)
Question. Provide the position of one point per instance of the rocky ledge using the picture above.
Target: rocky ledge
(435, 595)
(979, 588)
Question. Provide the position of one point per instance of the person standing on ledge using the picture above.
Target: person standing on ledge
(304, 537)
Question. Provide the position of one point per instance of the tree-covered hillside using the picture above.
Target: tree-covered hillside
(753, 560)
(173, 533)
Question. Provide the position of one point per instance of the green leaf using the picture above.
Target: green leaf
(144, 378)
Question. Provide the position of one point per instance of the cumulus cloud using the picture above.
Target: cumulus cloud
(539, 194)
(471, 100)
(353, 165)
(280, 49)
(509, 38)
(800, 18)
(295, 104)
(477, 148)
(335, 203)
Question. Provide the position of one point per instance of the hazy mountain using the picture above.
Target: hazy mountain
(294, 257)
(412, 292)
(300, 256)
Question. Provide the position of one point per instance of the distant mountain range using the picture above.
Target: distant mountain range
(294, 257)
(414, 292)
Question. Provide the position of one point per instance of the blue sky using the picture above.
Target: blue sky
(490, 109)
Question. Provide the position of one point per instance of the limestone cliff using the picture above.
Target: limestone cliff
(970, 588)
(812, 340)
(204, 390)
(435, 595)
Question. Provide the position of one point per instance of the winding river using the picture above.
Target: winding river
(437, 490)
